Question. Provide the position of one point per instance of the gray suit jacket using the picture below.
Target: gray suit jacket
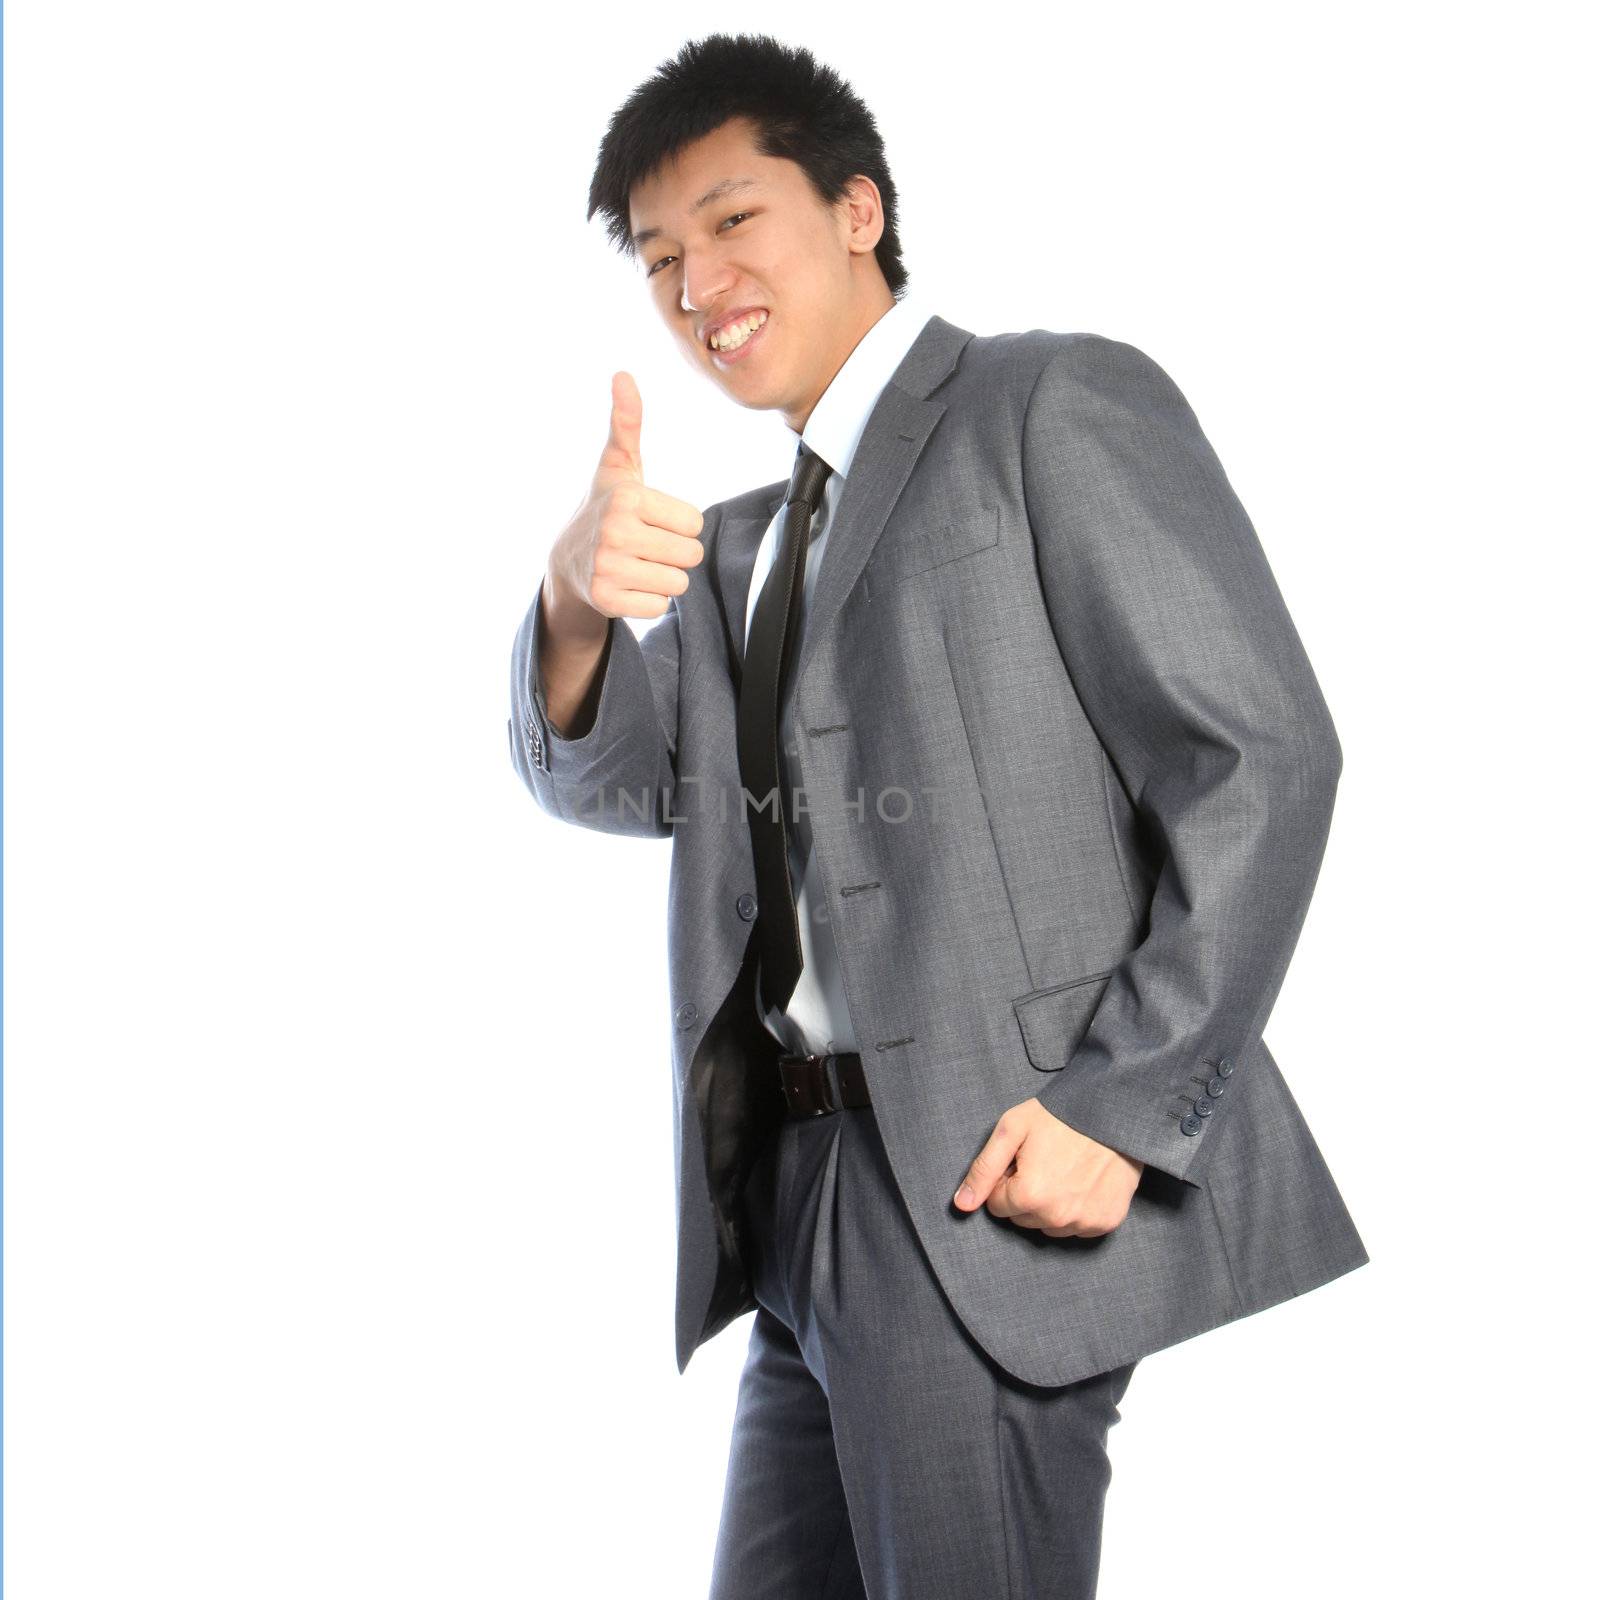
(1070, 778)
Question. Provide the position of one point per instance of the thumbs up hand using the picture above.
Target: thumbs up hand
(629, 548)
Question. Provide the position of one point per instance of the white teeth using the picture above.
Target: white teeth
(735, 334)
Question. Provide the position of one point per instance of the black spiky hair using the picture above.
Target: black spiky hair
(802, 110)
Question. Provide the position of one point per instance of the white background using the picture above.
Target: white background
(338, 1170)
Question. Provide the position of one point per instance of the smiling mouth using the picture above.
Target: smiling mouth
(736, 335)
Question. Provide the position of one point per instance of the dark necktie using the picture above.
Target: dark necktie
(768, 655)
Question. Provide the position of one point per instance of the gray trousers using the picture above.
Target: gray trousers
(877, 1450)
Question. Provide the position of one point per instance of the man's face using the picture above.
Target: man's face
(761, 244)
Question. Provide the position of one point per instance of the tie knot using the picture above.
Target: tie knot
(810, 473)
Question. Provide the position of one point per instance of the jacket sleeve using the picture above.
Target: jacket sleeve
(1190, 670)
(619, 776)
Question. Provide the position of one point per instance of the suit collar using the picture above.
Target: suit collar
(838, 419)
(931, 359)
(891, 439)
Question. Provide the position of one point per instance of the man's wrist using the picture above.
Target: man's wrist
(568, 616)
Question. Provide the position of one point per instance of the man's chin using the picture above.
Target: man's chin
(753, 396)
(754, 400)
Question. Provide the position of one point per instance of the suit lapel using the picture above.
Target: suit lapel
(738, 540)
(895, 433)
(890, 445)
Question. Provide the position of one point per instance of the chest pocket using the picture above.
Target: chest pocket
(904, 554)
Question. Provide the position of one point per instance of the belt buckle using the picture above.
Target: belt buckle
(831, 1102)
(829, 1088)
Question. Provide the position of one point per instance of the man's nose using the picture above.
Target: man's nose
(703, 281)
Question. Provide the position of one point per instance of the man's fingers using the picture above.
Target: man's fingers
(638, 603)
(990, 1166)
(621, 453)
(662, 510)
(634, 542)
(642, 576)
(631, 539)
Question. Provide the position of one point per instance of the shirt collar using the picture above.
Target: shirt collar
(839, 417)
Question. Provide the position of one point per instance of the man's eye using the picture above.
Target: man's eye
(738, 216)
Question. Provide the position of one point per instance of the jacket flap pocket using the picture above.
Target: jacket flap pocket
(1054, 1020)
(906, 552)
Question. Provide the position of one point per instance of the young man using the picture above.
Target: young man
(998, 783)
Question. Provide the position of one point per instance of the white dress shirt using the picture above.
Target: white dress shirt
(817, 1019)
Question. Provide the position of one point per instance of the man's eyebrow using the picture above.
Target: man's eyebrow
(715, 192)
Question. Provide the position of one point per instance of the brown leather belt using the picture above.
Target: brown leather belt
(813, 1086)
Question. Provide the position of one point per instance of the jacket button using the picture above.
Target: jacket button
(1202, 1107)
(1216, 1086)
(1191, 1123)
(747, 906)
(1225, 1067)
(686, 1013)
